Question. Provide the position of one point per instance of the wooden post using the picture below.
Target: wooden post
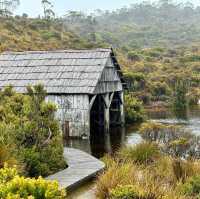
(122, 108)
(107, 113)
(92, 102)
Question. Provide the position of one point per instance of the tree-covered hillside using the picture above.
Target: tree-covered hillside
(141, 25)
(22, 33)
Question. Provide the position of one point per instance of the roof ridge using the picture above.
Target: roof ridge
(57, 51)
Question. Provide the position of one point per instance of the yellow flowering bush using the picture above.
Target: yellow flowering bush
(13, 186)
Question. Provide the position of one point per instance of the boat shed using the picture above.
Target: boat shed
(86, 85)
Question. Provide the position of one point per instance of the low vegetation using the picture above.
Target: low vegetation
(18, 33)
(164, 177)
(173, 140)
(165, 165)
(13, 186)
(144, 153)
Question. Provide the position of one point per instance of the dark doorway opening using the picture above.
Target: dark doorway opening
(65, 130)
(115, 112)
(97, 113)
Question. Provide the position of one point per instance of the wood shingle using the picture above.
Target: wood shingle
(64, 72)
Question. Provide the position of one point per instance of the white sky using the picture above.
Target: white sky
(33, 7)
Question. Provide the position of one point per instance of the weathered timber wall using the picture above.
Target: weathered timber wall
(75, 110)
(110, 80)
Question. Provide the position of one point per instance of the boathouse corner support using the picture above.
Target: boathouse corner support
(122, 108)
(107, 100)
(92, 101)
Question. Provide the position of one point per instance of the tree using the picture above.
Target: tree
(134, 110)
(28, 122)
(48, 9)
(180, 102)
(8, 6)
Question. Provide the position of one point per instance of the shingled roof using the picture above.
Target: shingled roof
(64, 72)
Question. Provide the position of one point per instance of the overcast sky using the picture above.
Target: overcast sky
(33, 7)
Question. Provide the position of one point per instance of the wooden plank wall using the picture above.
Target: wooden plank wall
(110, 80)
(75, 110)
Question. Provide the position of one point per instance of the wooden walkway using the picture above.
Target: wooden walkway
(82, 167)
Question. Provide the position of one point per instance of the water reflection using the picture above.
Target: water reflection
(102, 143)
(107, 143)
(191, 121)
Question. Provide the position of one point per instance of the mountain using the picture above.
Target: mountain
(141, 25)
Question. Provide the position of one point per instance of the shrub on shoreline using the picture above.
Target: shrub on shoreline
(172, 139)
(12, 186)
(29, 128)
(143, 153)
(163, 178)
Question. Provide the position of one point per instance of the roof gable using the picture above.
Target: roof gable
(69, 71)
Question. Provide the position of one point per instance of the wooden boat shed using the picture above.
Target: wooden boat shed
(87, 85)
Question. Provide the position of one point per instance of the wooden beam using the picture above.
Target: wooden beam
(108, 99)
(122, 108)
(92, 101)
(111, 98)
(105, 99)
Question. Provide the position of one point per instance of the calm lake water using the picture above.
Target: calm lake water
(101, 143)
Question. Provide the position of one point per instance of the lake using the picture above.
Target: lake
(102, 143)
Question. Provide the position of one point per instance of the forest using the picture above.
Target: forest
(158, 48)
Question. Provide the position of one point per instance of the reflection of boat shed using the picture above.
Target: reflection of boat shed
(87, 85)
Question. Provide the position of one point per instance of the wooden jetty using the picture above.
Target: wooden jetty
(82, 167)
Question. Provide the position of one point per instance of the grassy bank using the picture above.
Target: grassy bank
(164, 166)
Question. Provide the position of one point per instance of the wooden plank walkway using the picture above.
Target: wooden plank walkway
(82, 167)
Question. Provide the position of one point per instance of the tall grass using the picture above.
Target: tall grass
(116, 174)
(144, 153)
(142, 172)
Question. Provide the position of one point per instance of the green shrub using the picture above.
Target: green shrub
(143, 153)
(190, 58)
(192, 187)
(134, 56)
(124, 192)
(12, 186)
(180, 102)
(28, 125)
(134, 111)
(115, 174)
(46, 35)
(7, 174)
(159, 89)
(135, 81)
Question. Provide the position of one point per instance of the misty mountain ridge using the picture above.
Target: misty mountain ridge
(140, 25)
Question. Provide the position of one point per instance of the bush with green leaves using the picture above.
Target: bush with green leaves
(32, 130)
(124, 192)
(135, 81)
(180, 102)
(160, 90)
(192, 187)
(134, 56)
(13, 186)
(134, 111)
